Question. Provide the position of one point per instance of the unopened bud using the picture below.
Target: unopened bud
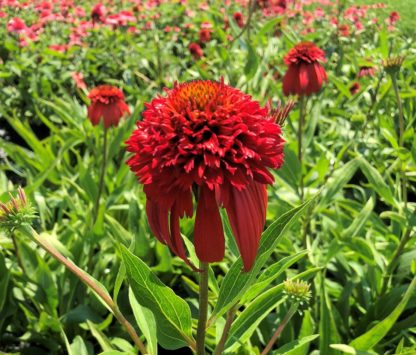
(297, 291)
(16, 211)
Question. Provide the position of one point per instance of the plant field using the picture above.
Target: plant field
(219, 177)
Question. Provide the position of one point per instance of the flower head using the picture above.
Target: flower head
(196, 50)
(298, 291)
(16, 211)
(107, 102)
(305, 73)
(392, 65)
(355, 88)
(98, 13)
(239, 19)
(366, 70)
(16, 25)
(210, 141)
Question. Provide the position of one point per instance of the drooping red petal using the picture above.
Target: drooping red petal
(95, 111)
(208, 235)
(158, 221)
(303, 77)
(176, 238)
(246, 211)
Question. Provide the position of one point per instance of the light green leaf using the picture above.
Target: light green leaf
(294, 345)
(146, 322)
(173, 315)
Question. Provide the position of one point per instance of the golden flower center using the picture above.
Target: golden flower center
(198, 93)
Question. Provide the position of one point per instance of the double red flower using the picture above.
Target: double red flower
(305, 74)
(208, 141)
(107, 103)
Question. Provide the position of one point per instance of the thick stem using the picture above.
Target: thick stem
(401, 137)
(300, 141)
(203, 309)
(87, 280)
(292, 310)
(230, 317)
(102, 176)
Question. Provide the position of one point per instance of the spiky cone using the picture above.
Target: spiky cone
(392, 65)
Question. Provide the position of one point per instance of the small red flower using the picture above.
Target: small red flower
(196, 50)
(305, 73)
(79, 80)
(16, 25)
(393, 18)
(98, 13)
(355, 88)
(211, 141)
(205, 35)
(239, 19)
(107, 102)
(366, 70)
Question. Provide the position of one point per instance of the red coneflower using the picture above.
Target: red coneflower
(354, 88)
(208, 140)
(98, 13)
(239, 19)
(196, 50)
(305, 73)
(205, 35)
(366, 70)
(16, 25)
(107, 102)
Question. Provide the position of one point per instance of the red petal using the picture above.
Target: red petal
(247, 214)
(177, 242)
(158, 221)
(209, 235)
(303, 77)
(95, 111)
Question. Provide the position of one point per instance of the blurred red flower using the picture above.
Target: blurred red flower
(79, 80)
(205, 35)
(366, 70)
(196, 50)
(305, 74)
(16, 25)
(354, 88)
(239, 19)
(211, 140)
(98, 13)
(107, 102)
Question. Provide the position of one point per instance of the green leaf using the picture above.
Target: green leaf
(172, 313)
(307, 329)
(146, 322)
(359, 221)
(78, 346)
(372, 337)
(377, 181)
(4, 281)
(339, 179)
(294, 345)
(252, 62)
(236, 282)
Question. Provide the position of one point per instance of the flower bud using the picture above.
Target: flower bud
(298, 291)
(16, 212)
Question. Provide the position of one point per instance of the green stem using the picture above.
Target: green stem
(401, 137)
(230, 317)
(87, 280)
(203, 309)
(101, 181)
(251, 8)
(300, 143)
(292, 310)
(17, 252)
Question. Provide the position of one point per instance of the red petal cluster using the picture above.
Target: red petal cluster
(305, 74)
(208, 140)
(107, 102)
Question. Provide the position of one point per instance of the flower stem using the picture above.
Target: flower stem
(17, 252)
(292, 310)
(102, 176)
(300, 141)
(401, 137)
(203, 309)
(87, 280)
(230, 317)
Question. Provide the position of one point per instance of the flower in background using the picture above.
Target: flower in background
(212, 141)
(79, 80)
(366, 70)
(195, 50)
(239, 19)
(344, 30)
(205, 35)
(393, 18)
(98, 13)
(305, 74)
(355, 88)
(16, 25)
(107, 102)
